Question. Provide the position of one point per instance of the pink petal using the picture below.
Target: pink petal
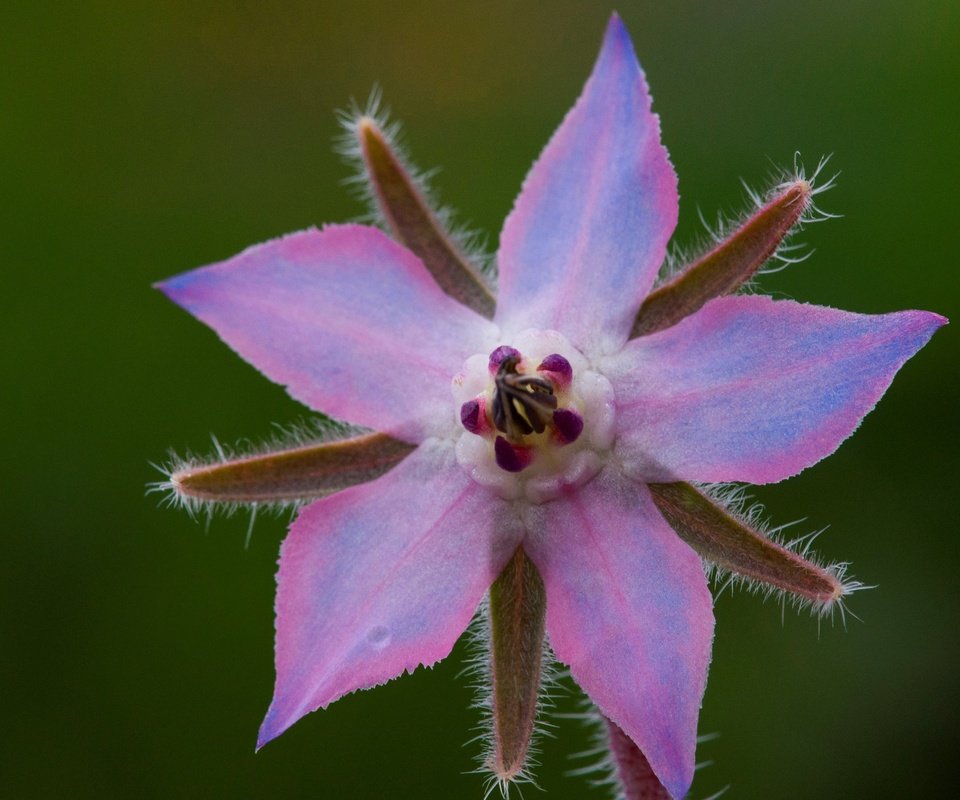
(352, 324)
(381, 578)
(751, 389)
(629, 610)
(589, 230)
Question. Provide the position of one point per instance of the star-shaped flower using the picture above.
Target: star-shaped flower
(545, 441)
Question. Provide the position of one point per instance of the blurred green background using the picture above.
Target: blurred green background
(139, 140)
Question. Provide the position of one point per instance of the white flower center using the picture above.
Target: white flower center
(535, 417)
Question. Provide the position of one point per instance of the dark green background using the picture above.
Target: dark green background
(139, 140)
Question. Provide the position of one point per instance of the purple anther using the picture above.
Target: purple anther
(559, 368)
(472, 417)
(510, 457)
(568, 425)
(501, 354)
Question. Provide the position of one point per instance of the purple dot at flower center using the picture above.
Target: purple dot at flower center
(559, 368)
(470, 416)
(568, 424)
(511, 458)
(501, 354)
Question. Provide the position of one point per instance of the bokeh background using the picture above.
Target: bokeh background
(141, 139)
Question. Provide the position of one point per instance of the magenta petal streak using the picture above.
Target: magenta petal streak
(352, 324)
(382, 578)
(589, 230)
(752, 389)
(629, 610)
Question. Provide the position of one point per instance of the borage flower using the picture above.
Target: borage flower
(545, 446)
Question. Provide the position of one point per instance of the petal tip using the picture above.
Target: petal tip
(678, 789)
(615, 22)
(617, 37)
(266, 734)
(176, 288)
(934, 320)
(921, 325)
(274, 724)
(674, 770)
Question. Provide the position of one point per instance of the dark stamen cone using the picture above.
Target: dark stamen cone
(517, 608)
(402, 203)
(724, 540)
(296, 474)
(728, 265)
(633, 771)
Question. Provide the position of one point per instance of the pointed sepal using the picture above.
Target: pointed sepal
(289, 475)
(402, 203)
(517, 610)
(728, 542)
(730, 264)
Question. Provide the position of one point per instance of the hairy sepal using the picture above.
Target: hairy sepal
(517, 653)
(286, 475)
(731, 544)
(402, 203)
(731, 263)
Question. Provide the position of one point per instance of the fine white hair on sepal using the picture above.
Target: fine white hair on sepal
(789, 251)
(734, 498)
(477, 669)
(472, 243)
(600, 771)
(301, 433)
